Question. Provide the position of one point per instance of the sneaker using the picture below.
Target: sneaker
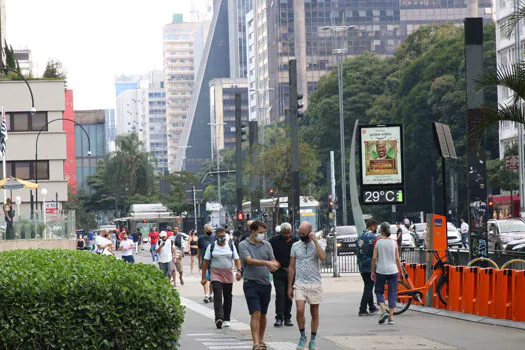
(383, 317)
(226, 324)
(373, 312)
(391, 322)
(278, 323)
(218, 323)
(288, 323)
(312, 345)
(210, 298)
(206, 300)
(302, 343)
(361, 313)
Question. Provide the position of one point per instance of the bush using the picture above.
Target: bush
(65, 299)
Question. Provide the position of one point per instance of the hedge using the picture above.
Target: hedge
(63, 299)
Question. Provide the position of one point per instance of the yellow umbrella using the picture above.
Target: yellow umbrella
(14, 183)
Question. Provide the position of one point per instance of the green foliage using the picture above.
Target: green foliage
(210, 194)
(54, 70)
(498, 175)
(59, 299)
(176, 200)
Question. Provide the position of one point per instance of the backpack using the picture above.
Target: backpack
(230, 243)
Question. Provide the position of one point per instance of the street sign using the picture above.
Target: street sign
(512, 162)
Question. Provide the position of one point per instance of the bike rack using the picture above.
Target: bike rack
(490, 261)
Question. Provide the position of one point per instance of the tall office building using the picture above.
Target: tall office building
(179, 75)
(25, 61)
(111, 129)
(156, 140)
(505, 56)
(2, 30)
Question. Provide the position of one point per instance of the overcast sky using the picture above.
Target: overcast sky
(95, 40)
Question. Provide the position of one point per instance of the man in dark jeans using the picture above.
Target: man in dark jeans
(365, 251)
(282, 245)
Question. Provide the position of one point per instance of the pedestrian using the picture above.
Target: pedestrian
(166, 251)
(153, 240)
(127, 246)
(192, 242)
(385, 269)
(113, 238)
(305, 258)
(220, 257)
(464, 233)
(91, 241)
(202, 244)
(103, 244)
(282, 246)
(137, 238)
(365, 252)
(248, 233)
(169, 231)
(9, 215)
(258, 261)
(81, 243)
(177, 239)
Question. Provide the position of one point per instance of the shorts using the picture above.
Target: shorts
(128, 258)
(178, 265)
(257, 296)
(193, 251)
(208, 275)
(167, 268)
(311, 293)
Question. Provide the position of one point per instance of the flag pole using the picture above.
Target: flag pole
(4, 151)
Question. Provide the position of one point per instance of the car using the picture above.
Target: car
(407, 239)
(517, 245)
(346, 237)
(453, 236)
(420, 233)
(502, 232)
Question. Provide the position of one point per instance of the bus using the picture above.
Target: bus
(143, 217)
(309, 210)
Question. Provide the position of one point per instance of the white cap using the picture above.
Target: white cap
(163, 234)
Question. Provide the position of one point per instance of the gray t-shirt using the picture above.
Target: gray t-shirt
(261, 251)
(307, 261)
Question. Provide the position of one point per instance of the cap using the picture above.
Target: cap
(163, 234)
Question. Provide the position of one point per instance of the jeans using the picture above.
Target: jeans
(464, 237)
(154, 254)
(129, 259)
(222, 309)
(283, 304)
(368, 297)
(391, 280)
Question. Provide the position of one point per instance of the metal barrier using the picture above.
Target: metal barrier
(346, 262)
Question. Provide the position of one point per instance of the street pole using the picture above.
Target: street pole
(218, 165)
(335, 264)
(521, 152)
(195, 207)
(294, 134)
(342, 137)
(238, 153)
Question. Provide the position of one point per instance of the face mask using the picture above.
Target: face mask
(221, 239)
(286, 238)
(304, 239)
(260, 237)
(164, 239)
(208, 233)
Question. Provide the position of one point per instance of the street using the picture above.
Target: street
(340, 327)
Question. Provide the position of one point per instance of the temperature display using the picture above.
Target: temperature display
(383, 196)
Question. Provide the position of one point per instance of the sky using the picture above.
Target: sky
(95, 40)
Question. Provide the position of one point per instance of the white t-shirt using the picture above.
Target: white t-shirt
(165, 253)
(386, 257)
(99, 240)
(464, 228)
(221, 250)
(125, 245)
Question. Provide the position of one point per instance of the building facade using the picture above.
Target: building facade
(25, 61)
(23, 128)
(93, 122)
(2, 30)
(505, 56)
(222, 111)
(70, 164)
(111, 129)
(156, 139)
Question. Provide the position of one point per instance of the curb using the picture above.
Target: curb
(469, 317)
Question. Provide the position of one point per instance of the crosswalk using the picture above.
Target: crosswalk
(217, 341)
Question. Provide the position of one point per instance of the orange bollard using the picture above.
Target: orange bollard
(470, 290)
(503, 297)
(485, 302)
(518, 313)
(455, 288)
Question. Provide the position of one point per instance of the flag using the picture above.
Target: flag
(3, 134)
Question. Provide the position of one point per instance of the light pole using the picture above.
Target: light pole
(217, 155)
(44, 194)
(266, 109)
(18, 201)
(338, 35)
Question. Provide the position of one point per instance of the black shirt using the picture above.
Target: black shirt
(281, 249)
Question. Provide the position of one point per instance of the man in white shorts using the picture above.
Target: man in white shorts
(305, 257)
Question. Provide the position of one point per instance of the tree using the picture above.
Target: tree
(176, 200)
(210, 194)
(54, 70)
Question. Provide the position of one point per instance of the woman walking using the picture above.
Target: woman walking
(385, 269)
(193, 248)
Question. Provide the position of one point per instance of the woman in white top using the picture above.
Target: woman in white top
(385, 268)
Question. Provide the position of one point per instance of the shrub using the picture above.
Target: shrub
(65, 299)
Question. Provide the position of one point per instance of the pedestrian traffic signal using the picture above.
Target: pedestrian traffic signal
(330, 206)
(490, 202)
(244, 131)
(271, 192)
(240, 216)
(300, 105)
(145, 221)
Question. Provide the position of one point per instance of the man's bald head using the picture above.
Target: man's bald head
(249, 223)
(305, 228)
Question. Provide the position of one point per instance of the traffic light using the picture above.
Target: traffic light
(244, 131)
(300, 105)
(240, 216)
(490, 202)
(330, 206)
(271, 192)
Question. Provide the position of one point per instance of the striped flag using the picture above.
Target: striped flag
(3, 134)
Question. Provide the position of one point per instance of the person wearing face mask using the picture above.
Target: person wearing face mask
(282, 246)
(166, 251)
(258, 260)
(305, 258)
(102, 243)
(202, 244)
(220, 257)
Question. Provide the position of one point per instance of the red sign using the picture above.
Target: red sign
(512, 162)
(240, 216)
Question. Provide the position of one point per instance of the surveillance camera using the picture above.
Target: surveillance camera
(89, 153)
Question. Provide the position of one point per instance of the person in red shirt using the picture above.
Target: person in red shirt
(153, 240)
(169, 232)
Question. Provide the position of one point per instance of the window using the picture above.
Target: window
(26, 121)
(25, 170)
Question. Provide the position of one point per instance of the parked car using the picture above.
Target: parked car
(346, 237)
(501, 232)
(453, 236)
(420, 233)
(407, 237)
(517, 245)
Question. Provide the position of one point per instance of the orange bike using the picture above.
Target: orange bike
(408, 292)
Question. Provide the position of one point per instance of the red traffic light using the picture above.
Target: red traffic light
(240, 216)
(145, 221)
(331, 203)
(491, 201)
(272, 191)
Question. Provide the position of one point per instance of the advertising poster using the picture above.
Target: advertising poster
(381, 155)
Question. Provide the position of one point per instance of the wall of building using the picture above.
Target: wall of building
(70, 165)
(38, 244)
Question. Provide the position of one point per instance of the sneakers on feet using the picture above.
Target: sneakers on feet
(391, 322)
(302, 343)
(210, 298)
(218, 323)
(278, 323)
(373, 312)
(226, 324)
(312, 345)
(361, 313)
(288, 323)
(383, 317)
(206, 300)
